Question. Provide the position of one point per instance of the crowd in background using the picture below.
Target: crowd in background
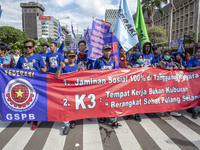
(54, 62)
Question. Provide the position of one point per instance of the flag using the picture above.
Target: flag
(140, 25)
(99, 28)
(111, 40)
(73, 31)
(176, 42)
(60, 34)
(74, 46)
(181, 48)
(125, 29)
(81, 38)
(0, 11)
(61, 48)
(87, 37)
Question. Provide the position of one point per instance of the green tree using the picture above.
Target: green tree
(150, 6)
(41, 41)
(10, 35)
(49, 40)
(157, 34)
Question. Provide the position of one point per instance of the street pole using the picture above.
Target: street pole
(196, 26)
(170, 24)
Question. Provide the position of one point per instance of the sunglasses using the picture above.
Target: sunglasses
(72, 56)
(26, 47)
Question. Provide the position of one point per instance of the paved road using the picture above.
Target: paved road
(150, 134)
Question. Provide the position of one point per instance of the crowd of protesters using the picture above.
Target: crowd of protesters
(54, 62)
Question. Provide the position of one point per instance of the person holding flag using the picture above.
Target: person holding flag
(106, 62)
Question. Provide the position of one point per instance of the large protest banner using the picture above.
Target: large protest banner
(31, 95)
(99, 28)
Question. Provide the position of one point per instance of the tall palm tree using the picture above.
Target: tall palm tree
(150, 6)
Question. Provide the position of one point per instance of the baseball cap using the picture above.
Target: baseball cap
(71, 52)
(106, 47)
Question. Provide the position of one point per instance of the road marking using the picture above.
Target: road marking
(91, 135)
(161, 139)
(125, 136)
(185, 131)
(55, 140)
(22, 137)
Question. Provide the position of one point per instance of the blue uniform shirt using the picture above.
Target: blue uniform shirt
(44, 55)
(69, 69)
(54, 60)
(148, 59)
(156, 60)
(193, 62)
(100, 64)
(35, 61)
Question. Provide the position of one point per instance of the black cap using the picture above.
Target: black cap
(106, 47)
(71, 52)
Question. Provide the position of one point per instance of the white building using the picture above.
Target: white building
(47, 26)
(111, 17)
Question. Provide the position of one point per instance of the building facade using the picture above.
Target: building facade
(111, 17)
(30, 12)
(65, 31)
(47, 26)
(183, 18)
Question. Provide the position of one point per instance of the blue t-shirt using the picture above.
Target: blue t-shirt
(44, 55)
(193, 62)
(69, 69)
(156, 60)
(100, 64)
(54, 60)
(35, 61)
(148, 59)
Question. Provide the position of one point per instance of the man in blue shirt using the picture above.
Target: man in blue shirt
(157, 58)
(106, 62)
(192, 65)
(45, 51)
(147, 55)
(68, 68)
(82, 61)
(53, 59)
(31, 61)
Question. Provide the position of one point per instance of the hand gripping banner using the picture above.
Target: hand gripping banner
(37, 96)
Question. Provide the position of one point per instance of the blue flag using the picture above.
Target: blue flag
(99, 28)
(61, 48)
(176, 42)
(181, 48)
(74, 46)
(111, 40)
(73, 31)
(125, 29)
(60, 34)
(87, 37)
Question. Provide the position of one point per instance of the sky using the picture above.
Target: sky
(79, 12)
